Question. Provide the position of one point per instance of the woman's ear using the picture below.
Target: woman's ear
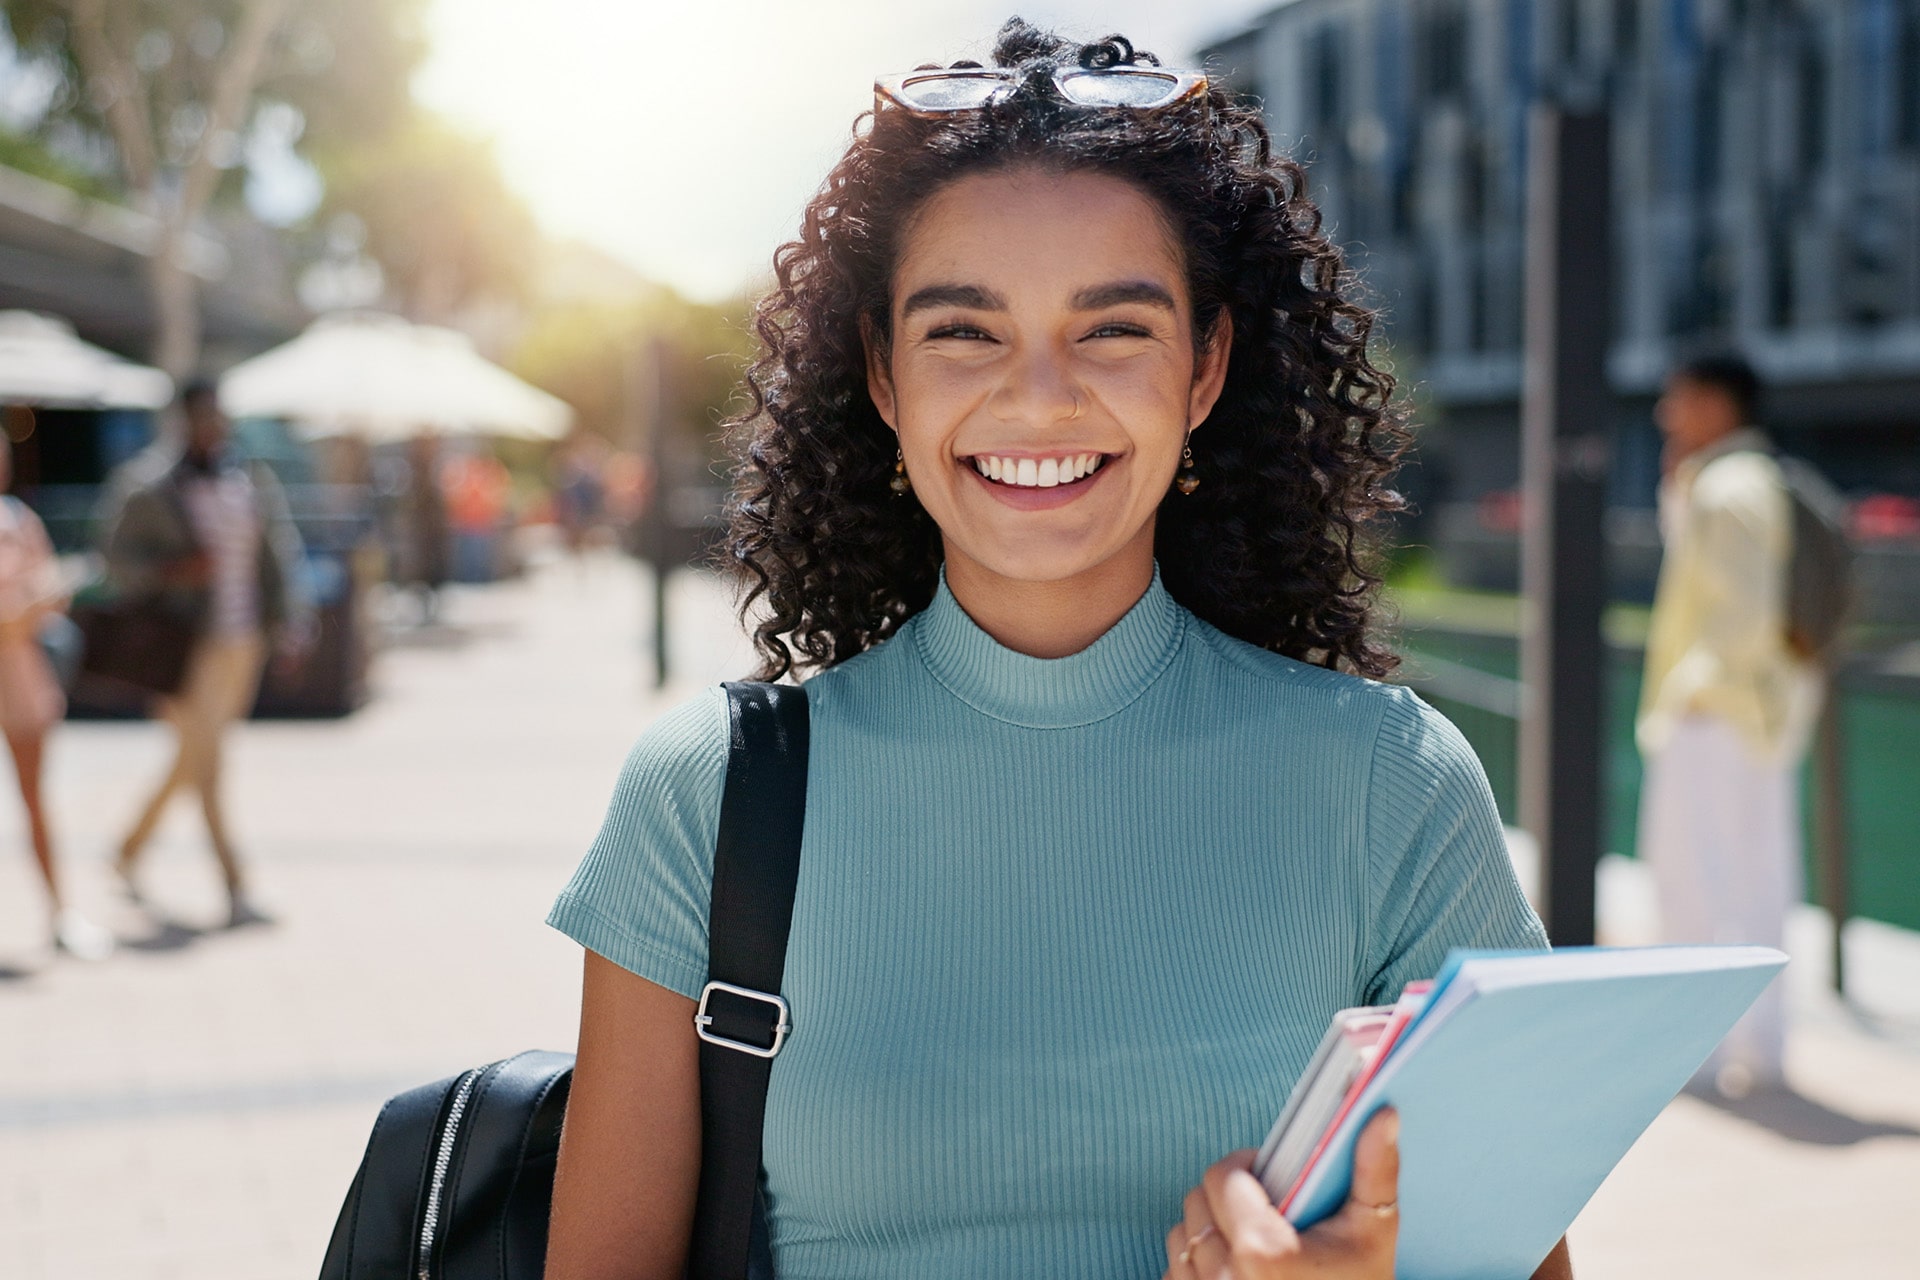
(1210, 370)
(879, 373)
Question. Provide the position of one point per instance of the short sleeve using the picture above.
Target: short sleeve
(1440, 876)
(640, 895)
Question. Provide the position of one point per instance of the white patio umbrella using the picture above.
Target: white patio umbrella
(43, 364)
(383, 378)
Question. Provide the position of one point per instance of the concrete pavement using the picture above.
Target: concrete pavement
(195, 1106)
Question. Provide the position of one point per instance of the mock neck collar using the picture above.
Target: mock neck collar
(1049, 693)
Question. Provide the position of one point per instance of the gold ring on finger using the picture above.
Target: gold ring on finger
(1193, 1242)
(1382, 1210)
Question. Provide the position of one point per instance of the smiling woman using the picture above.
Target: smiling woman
(1113, 209)
(1054, 482)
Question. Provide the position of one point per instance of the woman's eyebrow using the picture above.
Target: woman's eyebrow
(1121, 292)
(970, 296)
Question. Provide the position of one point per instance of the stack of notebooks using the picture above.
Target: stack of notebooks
(1521, 1079)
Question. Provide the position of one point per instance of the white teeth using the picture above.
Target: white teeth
(1038, 473)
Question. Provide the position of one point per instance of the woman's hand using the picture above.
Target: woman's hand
(1233, 1232)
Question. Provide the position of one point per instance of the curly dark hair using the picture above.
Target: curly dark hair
(1273, 548)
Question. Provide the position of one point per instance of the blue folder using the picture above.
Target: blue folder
(1523, 1083)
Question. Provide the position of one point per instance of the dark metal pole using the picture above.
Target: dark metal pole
(662, 530)
(1565, 458)
(1830, 846)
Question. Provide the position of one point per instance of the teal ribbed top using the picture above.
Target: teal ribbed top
(1066, 930)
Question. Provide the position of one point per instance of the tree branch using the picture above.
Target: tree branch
(232, 92)
(112, 77)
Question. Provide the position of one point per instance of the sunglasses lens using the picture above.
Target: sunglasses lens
(950, 93)
(1119, 89)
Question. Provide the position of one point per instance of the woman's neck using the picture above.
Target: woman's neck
(1052, 619)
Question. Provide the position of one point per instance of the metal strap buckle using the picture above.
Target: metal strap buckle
(783, 1022)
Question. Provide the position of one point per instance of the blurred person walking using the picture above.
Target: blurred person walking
(425, 536)
(213, 541)
(1727, 705)
(580, 491)
(478, 487)
(31, 701)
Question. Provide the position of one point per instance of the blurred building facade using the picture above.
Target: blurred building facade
(1766, 194)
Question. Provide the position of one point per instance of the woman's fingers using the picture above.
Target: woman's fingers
(1376, 1163)
(1368, 1225)
(1253, 1230)
(1194, 1248)
(1231, 1228)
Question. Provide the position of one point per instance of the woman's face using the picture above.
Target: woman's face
(1042, 375)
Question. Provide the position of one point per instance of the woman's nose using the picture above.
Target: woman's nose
(1039, 391)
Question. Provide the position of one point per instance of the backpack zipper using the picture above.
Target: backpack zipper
(442, 1159)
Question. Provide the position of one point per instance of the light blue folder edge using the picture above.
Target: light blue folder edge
(1515, 1111)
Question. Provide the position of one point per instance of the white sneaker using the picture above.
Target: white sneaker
(80, 937)
(242, 912)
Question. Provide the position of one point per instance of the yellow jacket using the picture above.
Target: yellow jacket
(1718, 640)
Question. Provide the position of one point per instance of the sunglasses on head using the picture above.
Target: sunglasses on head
(951, 89)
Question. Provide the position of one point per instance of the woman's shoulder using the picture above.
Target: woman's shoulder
(1324, 698)
(682, 752)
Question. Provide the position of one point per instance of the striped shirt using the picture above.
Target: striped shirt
(227, 521)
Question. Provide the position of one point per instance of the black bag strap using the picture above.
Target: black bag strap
(756, 863)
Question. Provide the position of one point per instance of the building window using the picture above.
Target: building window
(1324, 81)
(1782, 216)
(1444, 42)
(1709, 85)
(1626, 28)
(1571, 17)
(1812, 116)
(1906, 79)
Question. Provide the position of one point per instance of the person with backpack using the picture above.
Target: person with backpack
(1061, 458)
(1732, 683)
(210, 540)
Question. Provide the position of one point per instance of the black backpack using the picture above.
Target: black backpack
(1820, 565)
(457, 1180)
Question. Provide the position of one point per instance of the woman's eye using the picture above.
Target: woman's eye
(957, 331)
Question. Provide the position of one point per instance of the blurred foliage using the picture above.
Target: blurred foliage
(343, 66)
(32, 156)
(437, 215)
(595, 355)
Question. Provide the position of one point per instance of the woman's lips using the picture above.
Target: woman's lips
(1037, 497)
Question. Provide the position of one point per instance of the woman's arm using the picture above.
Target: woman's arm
(629, 1168)
(1558, 1266)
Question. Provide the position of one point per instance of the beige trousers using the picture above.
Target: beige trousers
(223, 675)
(1720, 830)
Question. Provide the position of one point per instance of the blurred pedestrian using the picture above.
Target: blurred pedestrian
(212, 538)
(579, 491)
(425, 536)
(1727, 704)
(477, 487)
(31, 701)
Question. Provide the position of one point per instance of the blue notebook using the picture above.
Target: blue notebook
(1522, 1084)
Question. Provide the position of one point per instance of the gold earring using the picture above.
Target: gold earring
(901, 482)
(1186, 479)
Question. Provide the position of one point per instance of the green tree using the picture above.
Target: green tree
(173, 88)
(440, 219)
(593, 354)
